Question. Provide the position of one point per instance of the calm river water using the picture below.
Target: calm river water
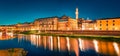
(37, 45)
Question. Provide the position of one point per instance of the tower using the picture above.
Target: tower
(76, 13)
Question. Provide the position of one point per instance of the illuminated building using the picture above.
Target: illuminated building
(24, 27)
(108, 24)
(46, 23)
(66, 23)
(88, 25)
(7, 27)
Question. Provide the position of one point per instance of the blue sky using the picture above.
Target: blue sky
(14, 11)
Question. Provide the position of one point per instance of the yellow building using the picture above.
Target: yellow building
(108, 24)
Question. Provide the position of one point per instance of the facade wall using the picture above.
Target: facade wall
(46, 24)
(72, 24)
(67, 23)
(63, 25)
(89, 26)
(8, 28)
(108, 24)
(24, 27)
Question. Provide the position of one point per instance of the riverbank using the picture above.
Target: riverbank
(99, 37)
(104, 37)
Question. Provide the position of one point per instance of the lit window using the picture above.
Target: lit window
(113, 24)
(100, 28)
(113, 20)
(100, 24)
(107, 21)
(106, 24)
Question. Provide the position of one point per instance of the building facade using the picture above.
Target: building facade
(108, 24)
(8, 27)
(67, 23)
(46, 23)
(56, 23)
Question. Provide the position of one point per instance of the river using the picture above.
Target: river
(37, 45)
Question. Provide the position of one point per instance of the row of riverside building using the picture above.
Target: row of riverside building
(67, 23)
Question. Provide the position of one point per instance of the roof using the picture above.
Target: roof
(108, 18)
(46, 18)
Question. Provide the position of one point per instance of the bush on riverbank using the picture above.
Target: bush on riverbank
(29, 32)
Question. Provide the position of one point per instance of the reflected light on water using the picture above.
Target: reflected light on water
(116, 48)
(96, 45)
(51, 42)
(37, 39)
(58, 42)
(33, 39)
(0, 34)
(80, 44)
(68, 43)
(10, 34)
(6, 36)
(75, 45)
(45, 42)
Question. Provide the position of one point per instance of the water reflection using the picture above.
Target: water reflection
(6, 36)
(117, 50)
(96, 45)
(77, 46)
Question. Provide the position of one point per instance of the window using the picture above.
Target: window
(106, 24)
(113, 20)
(100, 28)
(52, 22)
(100, 24)
(107, 21)
(113, 24)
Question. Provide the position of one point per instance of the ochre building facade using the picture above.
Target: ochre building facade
(108, 24)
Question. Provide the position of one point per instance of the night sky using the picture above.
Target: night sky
(14, 11)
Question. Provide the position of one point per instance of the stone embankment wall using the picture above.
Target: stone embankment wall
(115, 33)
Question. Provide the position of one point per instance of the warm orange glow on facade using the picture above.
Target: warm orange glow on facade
(108, 24)
(66, 23)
